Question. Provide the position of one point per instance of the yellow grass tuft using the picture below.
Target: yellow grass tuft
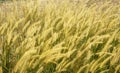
(55, 36)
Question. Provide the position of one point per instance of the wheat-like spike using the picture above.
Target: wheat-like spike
(73, 35)
(109, 41)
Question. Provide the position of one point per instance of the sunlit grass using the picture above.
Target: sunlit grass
(60, 37)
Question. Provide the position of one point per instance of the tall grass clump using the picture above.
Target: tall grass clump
(59, 37)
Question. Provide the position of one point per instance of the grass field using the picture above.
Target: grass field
(60, 36)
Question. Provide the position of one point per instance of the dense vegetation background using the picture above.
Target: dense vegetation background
(60, 36)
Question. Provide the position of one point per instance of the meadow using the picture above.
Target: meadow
(60, 36)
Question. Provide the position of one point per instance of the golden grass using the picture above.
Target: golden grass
(60, 37)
